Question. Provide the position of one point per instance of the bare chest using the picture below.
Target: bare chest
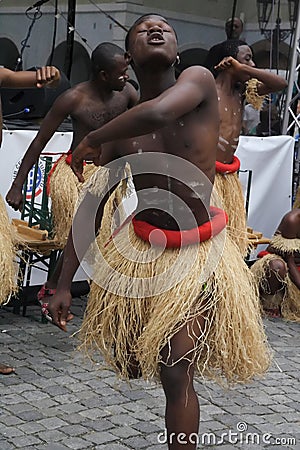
(94, 113)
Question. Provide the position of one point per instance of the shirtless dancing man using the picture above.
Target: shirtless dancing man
(184, 323)
(90, 105)
(232, 64)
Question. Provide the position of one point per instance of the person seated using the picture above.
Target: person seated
(277, 271)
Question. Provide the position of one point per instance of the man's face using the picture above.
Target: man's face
(245, 56)
(237, 28)
(118, 76)
(153, 41)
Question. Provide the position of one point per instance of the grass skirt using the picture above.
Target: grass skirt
(141, 296)
(8, 276)
(288, 299)
(229, 190)
(64, 191)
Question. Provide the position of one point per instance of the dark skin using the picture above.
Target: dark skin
(90, 105)
(179, 112)
(230, 84)
(45, 76)
(289, 228)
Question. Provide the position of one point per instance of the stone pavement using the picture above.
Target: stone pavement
(57, 400)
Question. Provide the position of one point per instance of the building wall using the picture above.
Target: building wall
(198, 23)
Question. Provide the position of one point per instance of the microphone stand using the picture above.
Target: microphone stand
(70, 37)
(36, 15)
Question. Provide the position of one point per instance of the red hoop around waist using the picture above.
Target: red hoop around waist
(228, 168)
(176, 239)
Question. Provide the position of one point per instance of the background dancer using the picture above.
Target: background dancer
(90, 105)
(236, 78)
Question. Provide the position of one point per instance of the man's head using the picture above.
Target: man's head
(110, 65)
(235, 48)
(233, 28)
(151, 40)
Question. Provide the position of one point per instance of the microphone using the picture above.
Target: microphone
(37, 4)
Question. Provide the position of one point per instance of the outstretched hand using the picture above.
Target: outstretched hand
(59, 309)
(47, 76)
(84, 152)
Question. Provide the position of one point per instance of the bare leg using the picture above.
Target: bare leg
(271, 300)
(182, 406)
(278, 271)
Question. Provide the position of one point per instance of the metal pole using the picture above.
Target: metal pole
(70, 37)
(232, 16)
(292, 75)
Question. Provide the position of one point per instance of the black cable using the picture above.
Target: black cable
(36, 16)
(109, 16)
(59, 15)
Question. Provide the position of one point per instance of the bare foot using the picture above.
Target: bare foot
(6, 370)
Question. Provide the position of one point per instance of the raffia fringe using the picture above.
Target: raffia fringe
(252, 95)
(229, 190)
(8, 269)
(64, 191)
(114, 212)
(149, 295)
(290, 308)
(290, 298)
(284, 244)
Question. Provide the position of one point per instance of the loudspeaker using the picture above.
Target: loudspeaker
(31, 103)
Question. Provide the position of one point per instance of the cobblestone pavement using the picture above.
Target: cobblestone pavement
(57, 400)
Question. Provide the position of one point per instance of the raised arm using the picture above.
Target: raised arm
(193, 87)
(269, 82)
(60, 109)
(44, 76)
